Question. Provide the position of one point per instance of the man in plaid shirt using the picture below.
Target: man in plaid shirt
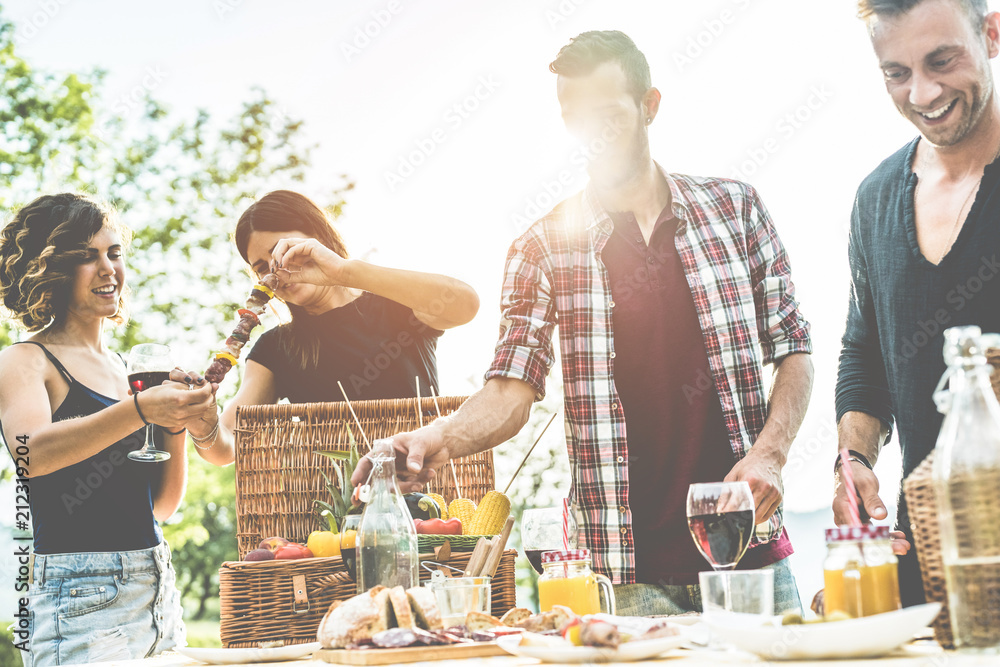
(671, 293)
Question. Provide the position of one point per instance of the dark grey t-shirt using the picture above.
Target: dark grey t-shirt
(900, 303)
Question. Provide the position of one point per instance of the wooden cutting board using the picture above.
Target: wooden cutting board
(390, 656)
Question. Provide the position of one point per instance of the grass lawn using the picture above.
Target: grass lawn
(204, 632)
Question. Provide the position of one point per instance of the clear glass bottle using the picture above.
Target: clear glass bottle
(859, 574)
(387, 538)
(967, 485)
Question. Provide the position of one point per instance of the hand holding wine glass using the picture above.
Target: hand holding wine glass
(148, 366)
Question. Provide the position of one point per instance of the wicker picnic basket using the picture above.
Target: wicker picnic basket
(278, 473)
(922, 503)
(286, 600)
(278, 476)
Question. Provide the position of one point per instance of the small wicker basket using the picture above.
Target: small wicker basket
(922, 503)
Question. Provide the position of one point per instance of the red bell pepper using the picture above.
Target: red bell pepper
(438, 526)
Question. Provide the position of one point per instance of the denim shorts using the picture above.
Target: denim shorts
(653, 599)
(94, 607)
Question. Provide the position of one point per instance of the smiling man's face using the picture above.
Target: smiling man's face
(936, 68)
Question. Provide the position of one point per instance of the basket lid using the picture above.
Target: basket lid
(566, 556)
(857, 533)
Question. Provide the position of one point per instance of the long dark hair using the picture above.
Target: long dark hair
(287, 211)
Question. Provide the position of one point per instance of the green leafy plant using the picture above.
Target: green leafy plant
(341, 502)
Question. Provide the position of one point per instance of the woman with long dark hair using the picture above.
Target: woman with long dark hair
(371, 328)
(102, 587)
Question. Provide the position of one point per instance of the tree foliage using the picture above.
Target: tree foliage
(180, 183)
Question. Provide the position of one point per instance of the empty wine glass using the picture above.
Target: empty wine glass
(148, 366)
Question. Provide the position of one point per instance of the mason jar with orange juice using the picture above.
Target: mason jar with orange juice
(859, 574)
(567, 580)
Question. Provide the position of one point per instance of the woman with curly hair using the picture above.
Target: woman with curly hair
(102, 584)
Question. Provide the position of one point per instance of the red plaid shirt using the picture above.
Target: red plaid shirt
(740, 279)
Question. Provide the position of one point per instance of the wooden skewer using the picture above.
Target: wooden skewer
(356, 420)
(454, 476)
(420, 415)
(529, 451)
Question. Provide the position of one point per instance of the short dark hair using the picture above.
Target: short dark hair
(868, 10)
(588, 50)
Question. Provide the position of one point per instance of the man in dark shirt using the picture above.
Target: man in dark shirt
(671, 293)
(925, 241)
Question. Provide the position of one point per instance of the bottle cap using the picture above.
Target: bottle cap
(857, 533)
(566, 556)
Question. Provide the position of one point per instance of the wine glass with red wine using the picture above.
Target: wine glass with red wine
(720, 518)
(541, 531)
(148, 366)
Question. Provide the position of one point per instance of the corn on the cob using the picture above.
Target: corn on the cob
(442, 506)
(462, 509)
(490, 515)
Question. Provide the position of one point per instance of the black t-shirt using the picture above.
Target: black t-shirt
(374, 346)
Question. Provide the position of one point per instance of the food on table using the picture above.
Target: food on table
(292, 551)
(259, 554)
(599, 633)
(355, 619)
(793, 618)
(226, 358)
(463, 509)
(515, 616)
(563, 628)
(548, 621)
(476, 621)
(423, 602)
(817, 603)
(438, 527)
(272, 543)
(442, 505)
(323, 543)
(421, 506)
(490, 516)
(400, 615)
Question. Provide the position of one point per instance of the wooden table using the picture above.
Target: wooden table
(923, 655)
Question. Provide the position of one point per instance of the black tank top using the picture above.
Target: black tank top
(103, 503)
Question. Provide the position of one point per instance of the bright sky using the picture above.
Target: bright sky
(784, 94)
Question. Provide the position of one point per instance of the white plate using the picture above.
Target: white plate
(855, 638)
(627, 652)
(240, 656)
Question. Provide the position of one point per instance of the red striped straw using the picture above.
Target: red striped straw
(565, 523)
(852, 494)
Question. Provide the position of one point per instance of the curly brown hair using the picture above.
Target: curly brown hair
(40, 248)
